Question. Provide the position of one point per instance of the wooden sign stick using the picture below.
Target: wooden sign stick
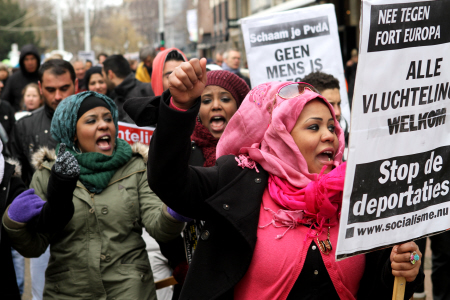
(399, 288)
(160, 284)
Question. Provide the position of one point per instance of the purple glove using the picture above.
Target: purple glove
(25, 207)
(177, 216)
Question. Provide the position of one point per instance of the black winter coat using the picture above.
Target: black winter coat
(8, 122)
(228, 198)
(31, 133)
(130, 88)
(8, 192)
(13, 89)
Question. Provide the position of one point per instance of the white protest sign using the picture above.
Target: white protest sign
(132, 133)
(87, 55)
(398, 173)
(289, 45)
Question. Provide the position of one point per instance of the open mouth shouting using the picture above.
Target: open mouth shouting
(217, 123)
(104, 142)
(326, 156)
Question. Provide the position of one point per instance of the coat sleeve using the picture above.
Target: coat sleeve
(24, 237)
(182, 187)
(143, 110)
(155, 218)
(16, 148)
(7, 92)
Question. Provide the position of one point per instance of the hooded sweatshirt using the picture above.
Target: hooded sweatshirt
(13, 90)
(158, 68)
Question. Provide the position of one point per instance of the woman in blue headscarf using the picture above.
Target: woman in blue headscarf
(99, 254)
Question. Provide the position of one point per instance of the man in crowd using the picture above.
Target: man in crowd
(163, 65)
(57, 81)
(219, 59)
(144, 69)
(328, 86)
(29, 63)
(232, 63)
(88, 65)
(80, 71)
(122, 83)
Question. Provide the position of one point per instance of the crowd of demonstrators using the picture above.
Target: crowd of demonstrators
(122, 83)
(232, 63)
(29, 65)
(145, 68)
(245, 163)
(95, 81)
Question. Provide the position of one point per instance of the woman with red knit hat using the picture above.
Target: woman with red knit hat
(222, 96)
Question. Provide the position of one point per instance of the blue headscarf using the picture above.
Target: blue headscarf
(64, 122)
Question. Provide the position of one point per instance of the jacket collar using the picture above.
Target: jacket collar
(127, 84)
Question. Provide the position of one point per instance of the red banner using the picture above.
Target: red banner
(133, 133)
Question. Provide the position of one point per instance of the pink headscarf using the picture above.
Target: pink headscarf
(261, 129)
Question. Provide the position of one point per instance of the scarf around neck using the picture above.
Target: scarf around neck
(205, 140)
(97, 169)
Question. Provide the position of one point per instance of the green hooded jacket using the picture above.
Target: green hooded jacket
(100, 254)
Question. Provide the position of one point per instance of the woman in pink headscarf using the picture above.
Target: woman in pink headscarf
(272, 201)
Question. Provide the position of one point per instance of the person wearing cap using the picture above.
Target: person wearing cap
(271, 203)
(100, 253)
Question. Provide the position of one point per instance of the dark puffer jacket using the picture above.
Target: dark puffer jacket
(13, 89)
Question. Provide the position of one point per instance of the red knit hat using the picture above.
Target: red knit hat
(237, 87)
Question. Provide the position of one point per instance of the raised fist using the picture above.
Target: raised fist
(66, 163)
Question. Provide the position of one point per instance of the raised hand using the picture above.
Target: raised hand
(66, 163)
(187, 82)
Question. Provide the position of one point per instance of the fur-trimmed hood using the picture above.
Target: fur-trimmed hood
(44, 154)
(17, 166)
